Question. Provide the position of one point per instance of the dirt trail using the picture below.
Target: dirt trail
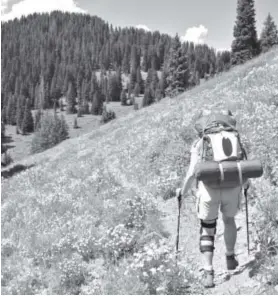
(235, 282)
(226, 283)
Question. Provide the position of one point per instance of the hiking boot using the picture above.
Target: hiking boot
(208, 278)
(232, 263)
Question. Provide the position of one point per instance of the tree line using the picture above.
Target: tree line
(82, 58)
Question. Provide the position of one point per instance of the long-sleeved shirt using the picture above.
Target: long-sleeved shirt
(196, 157)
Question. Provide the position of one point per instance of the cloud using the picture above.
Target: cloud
(195, 34)
(26, 7)
(144, 27)
(223, 49)
(4, 6)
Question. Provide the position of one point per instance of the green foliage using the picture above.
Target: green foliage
(97, 104)
(123, 98)
(11, 110)
(3, 148)
(52, 131)
(114, 88)
(6, 158)
(27, 125)
(178, 74)
(148, 98)
(136, 90)
(245, 45)
(107, 115)
(75, 125)
(269, 35)
(71, 97)
(140, 80)
(85, 108)
(38, 116)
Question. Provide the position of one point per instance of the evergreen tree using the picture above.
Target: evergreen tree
(158, 93)
(20, 111)
(27, 122)
(11, 110)
(163, 83)
(269, 35)
(123, 98)
(71, 96)
(75, 125)
(178, 75)
(149, 78)
(38, 116)
(140, 80)
(148, 98)
(97, 104)
(113, 88)
(132, 79)
(154, 82)
(245, 45)
(136, 90)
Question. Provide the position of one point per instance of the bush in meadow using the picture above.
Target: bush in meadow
(107, 115)
(52, 131)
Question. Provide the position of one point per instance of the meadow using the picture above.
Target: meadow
(85, 218)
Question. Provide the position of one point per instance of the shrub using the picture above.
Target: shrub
(6, 158)
(75, 125)
(107, 116)
(52, 131)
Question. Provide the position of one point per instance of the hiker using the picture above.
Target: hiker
(218, 141)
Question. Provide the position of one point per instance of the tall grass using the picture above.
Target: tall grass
(85, 218)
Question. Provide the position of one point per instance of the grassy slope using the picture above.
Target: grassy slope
(80, 188)
(19, 145)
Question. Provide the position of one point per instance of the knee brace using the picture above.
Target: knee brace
(207, 241)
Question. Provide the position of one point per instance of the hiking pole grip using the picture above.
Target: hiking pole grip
(247, 220)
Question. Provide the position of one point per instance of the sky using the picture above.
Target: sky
(200, 21)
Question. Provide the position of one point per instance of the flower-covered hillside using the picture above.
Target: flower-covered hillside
(84, 219)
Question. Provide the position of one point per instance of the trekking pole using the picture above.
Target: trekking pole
(247, 220)
(178, 226)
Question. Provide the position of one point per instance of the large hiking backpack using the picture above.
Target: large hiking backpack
(224, 161)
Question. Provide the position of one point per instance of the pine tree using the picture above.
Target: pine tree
(11, 110)
(163, 83)
(136, 90)
(75, 125)
(97, 104)
(123, 98)
(132, 79)
(154, 82)
(71, 96)
(178, 75)
(158, 93)
(245, 45)
(20, 110)
(269, 35)
(38, 117)
(140, 80)
(113, 88)
(149, 78)
(41, 93)
(148, 98)
(27, 122)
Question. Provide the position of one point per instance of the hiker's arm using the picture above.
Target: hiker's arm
(190, 176)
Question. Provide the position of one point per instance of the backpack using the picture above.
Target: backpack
(221, 144)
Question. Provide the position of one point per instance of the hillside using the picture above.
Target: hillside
(87, 216)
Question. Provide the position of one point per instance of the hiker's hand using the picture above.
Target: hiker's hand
(246, 185)
(178, 192)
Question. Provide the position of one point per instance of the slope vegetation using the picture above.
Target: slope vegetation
(86, 218)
